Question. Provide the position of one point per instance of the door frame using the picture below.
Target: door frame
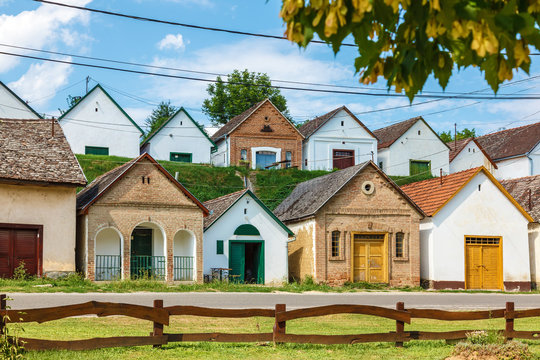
(500, 279)
(263, 255)
(39, 229)
(348, 150)
(386, 264)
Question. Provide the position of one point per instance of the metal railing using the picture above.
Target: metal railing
(183, 268)
(143, 266)
(108, 267)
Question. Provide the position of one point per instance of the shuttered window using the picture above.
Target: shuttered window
(219, 247)
(418, 167)
(180, 157)
(96, 150)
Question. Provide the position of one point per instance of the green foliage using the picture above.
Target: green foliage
(482, 337)
(20, 273)
(71, 101)
(239, 93)
(404, 180)
(273, 186)
(159, 115)
(408, 41)
(466, 133)
(491, 345)
(10, 349)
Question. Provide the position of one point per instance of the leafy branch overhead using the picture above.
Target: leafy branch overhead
(406, 41)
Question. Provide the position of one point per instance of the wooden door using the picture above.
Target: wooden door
(369, 258)
(20, 244)
(342, 159)
(483, 263)
(237, 261)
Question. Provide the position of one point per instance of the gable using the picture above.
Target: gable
(351, 127)
(426, 138)
(13, 107)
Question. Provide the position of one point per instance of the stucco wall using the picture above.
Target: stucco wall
(535, 160)
(181, 135)
(476, 212)
(534, 248)
(470, 157)
(221, 156)
(318, 148)
(513, 168)
(12, 108)
(274, 236)
(51, 206)
(106, 127)
(301, 251)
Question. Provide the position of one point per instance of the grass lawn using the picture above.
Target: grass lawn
(88, 327)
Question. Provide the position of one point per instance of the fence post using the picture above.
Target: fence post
(158, 328)
(3, 306)
(279, 327)
(509, 316)
(400, 325)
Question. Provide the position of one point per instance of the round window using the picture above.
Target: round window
(368, 188)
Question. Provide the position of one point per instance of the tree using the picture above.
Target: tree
(71, 101)
(466, 133)
(159, 115)
(407, 41)
(239, 93)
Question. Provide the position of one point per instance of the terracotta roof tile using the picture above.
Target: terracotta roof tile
(430, 195)
(526, 191)
(29, 153)
(388, 135)
(235, 121)
(511, 142)
(219, 205)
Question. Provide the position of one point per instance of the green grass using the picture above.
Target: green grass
(88, 327)
(205, 182)
(404, 180)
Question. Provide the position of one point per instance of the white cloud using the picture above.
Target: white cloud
(171, 41)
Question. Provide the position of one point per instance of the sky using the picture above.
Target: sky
(46, 85)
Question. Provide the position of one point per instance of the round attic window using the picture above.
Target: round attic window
(368, 188)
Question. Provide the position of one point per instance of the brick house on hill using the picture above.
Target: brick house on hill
(137, 220)
(353, 225)
(260, 136)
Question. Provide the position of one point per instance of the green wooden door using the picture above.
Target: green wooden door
(259, 263)
(141, 252)
(237, 261)
(420, 167)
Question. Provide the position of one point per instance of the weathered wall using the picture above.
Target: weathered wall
(301, 251)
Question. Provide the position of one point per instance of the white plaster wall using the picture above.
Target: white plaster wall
(274, 236)
(184, 244)
(470, 157)
(106, 127)
(183, 136)
(108, 242)
(12, 108)
(411, 146)
(54, 208)
(221, 156)
(332, 135)
(426, 249)
(513, 168)
(383, 156)
(534, 248)
(473, 212)
(534, 157)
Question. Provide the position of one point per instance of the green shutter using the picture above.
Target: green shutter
(237, 260)
(219, 247)
(181, 157)
(420, 167)
(96, 150)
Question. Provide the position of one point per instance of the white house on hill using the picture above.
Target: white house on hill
(337, 139)
(98, 125)
(180, 138)
(13, 107)
(467, 154)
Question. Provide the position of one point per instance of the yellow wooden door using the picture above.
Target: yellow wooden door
(490, 268)
(376, 262)
(360, 261)
(483, 263)
(369, 258)
(474, 266)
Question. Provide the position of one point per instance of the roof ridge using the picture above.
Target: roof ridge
(500, 131)
(226, 195)
(437, 178)
(399, 123)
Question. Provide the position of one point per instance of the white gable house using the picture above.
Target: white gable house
(180, 138)
(467, 154)
(98, 125)
(13, 107)
(243, 235)
(337, 140)
(411, 147)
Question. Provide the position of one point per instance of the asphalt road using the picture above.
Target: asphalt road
(448, 301)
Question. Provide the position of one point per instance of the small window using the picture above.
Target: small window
(181, 157)
(305, 162)
(380, 164)
(342, 123)
(335, 243)
(243, 154)
(180, 123)
(479, 187)
(473, 150)
(419, 132)
(400, 245)
(288, 158)
(245, 211)
(96, 150)
(219, 247)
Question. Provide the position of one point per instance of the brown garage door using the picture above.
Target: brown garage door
(343, 159)
(20, 243)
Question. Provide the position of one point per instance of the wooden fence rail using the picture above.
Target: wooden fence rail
(160, 317)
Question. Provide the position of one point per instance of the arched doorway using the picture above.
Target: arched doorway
(184, 256)
(148, 258)
(108, 255)
(246, 255)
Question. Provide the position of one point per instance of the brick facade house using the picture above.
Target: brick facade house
(260, 136)
(137, 221)
(353, 225)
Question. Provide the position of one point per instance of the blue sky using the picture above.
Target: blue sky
(46, 85)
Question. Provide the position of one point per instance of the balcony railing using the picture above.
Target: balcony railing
(108, 267)
(183, 268)
(148, 267)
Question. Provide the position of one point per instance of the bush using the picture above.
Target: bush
(490, 345)
(9, 342)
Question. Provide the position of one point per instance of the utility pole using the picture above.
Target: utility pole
(87, 81)
(455, 136)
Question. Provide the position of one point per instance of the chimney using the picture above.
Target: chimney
(52, 127)
(440, 177)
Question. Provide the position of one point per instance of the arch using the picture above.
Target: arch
(148, 257)
(247, 229)
(184, 255)
(108, 249)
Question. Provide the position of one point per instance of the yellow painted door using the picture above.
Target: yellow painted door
(369, 261)
(360, 261)
(490, 268)
(376, 262)
(474, 266)
(483, 267)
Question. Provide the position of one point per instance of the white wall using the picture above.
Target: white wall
(426, 146)
(513, 168)
(51, 206)
(534, 157)
(221, 156)
(108, 242)
(534, 247)
(12, 108)
(318, 148)
(184, 244)
(470, 157)
(181, 135)
(473, 212)
(106, 127)
(274, 236)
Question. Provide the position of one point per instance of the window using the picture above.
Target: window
(96, 150)
(181, 157)
(418, 167)
(243, 154)
(380, 164)
(219, 247)
(335, 243)
(288, 158)
(305, 162)
(400, 245)
(342, 123)
(419, 132)
(180, 123)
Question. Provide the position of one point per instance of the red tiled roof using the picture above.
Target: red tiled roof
(511, 142)
(430, 195)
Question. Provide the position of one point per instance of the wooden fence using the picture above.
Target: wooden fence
(160, 317)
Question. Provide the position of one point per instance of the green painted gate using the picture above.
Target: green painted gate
(141, 249)
(238, 261)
